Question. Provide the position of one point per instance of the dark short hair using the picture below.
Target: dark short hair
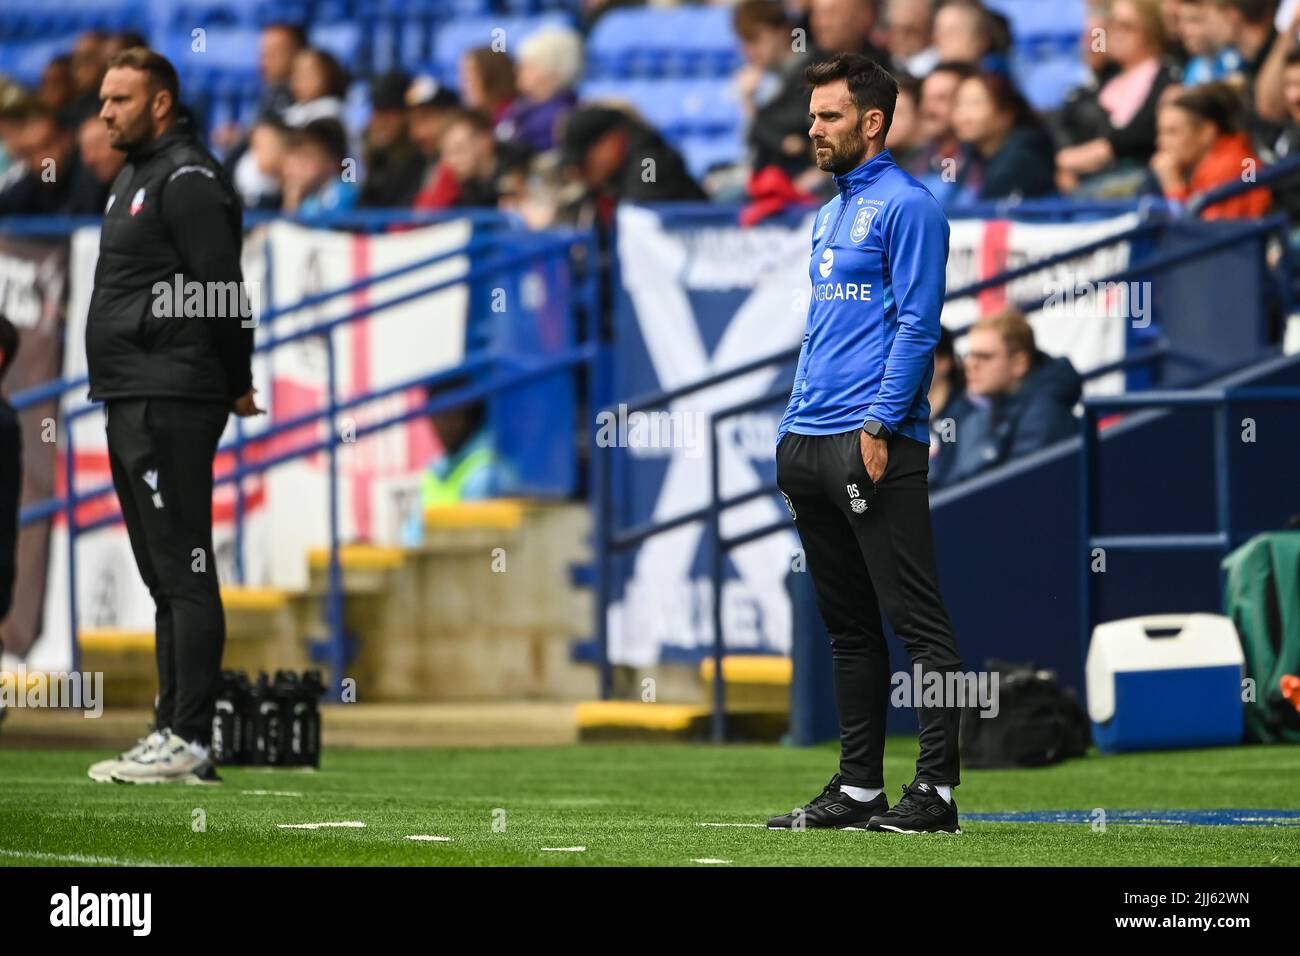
(336, 77)
(476, 120)
(296, 32)
(959, 68)
(326, 134)
(1215, 103)
(162, 75)
(871, 86)
(748, 17)
(8, 345)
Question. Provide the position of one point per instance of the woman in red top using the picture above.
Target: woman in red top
(1198, 147)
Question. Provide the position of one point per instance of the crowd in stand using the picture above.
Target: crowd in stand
(1180, 96)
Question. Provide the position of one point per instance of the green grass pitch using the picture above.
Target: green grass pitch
(627, 805)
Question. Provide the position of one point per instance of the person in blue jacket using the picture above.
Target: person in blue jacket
(1018, 400)
(852, 451)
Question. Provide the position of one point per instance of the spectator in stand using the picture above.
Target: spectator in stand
(609, 154)
(947, 401)
(123, 40)
(1080, 115)
(1122, 138)
(278, 45)
(1200, 146)
(1175, 55)
(315, 183)
(487, 82)
(267, 146)
(1018, 399)
(939, 157)
(1287, 142)
(966, 32)
(55, 90)
(89, 63)
(431, 107)
(468, 167)
(1204, 35)
(394, 167)
(56, 181)
(1270, 101)
(1006, 151)
(772, 91)
(550, 64)
(97, 153)
(906, 139)
(318, 83)
(909, 36)
(1248, 25)
(845, 26)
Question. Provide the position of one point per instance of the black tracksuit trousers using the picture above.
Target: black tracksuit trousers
(161, 452)
(869, 547)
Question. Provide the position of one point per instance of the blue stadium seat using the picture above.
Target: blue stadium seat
(646, 42)
(1034, 17)
(675, 106)
(457, 36)
(229, 49)
(703, 153)
(343, 40)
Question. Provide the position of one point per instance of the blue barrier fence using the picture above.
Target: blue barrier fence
(612, 540)
(489, 374)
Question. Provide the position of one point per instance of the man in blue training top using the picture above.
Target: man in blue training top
(852, 450)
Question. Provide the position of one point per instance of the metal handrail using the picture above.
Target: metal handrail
(1223, 539)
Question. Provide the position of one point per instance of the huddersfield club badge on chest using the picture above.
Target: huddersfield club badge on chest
(862, 222)
(137, 201)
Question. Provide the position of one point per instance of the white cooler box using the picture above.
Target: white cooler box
(1163, 681)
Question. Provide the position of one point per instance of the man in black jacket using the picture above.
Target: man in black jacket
(168, 344)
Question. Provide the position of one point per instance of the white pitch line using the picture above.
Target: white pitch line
(564, 849)
(77, 858)
(319, 826)
(271, 793)
(710, 860)
(731, 824)
(435, 839)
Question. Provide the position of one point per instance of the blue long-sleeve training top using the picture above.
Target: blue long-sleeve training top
(879, 255)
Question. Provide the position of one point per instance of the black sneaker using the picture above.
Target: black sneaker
(921, 810)
(832, 808)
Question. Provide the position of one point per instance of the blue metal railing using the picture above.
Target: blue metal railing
(611, 540)
(503, 374)
(1223, 539)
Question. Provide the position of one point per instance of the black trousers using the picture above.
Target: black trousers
(161, 452)
(869, 547)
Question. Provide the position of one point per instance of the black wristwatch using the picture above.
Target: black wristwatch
(877, 429)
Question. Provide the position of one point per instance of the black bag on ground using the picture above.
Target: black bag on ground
(1038, 722)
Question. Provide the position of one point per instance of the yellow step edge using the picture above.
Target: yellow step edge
(499, 514)
(253, 599)
(751, 669)
(115, 640)
(358, 557)
(590, 714)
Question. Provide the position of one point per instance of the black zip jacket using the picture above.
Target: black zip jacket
(171, 212)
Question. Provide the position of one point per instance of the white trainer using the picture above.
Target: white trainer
(102, 772)
(173, 760)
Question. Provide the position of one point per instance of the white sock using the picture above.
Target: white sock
(945, 792)
(199, 750)
(860, 794)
